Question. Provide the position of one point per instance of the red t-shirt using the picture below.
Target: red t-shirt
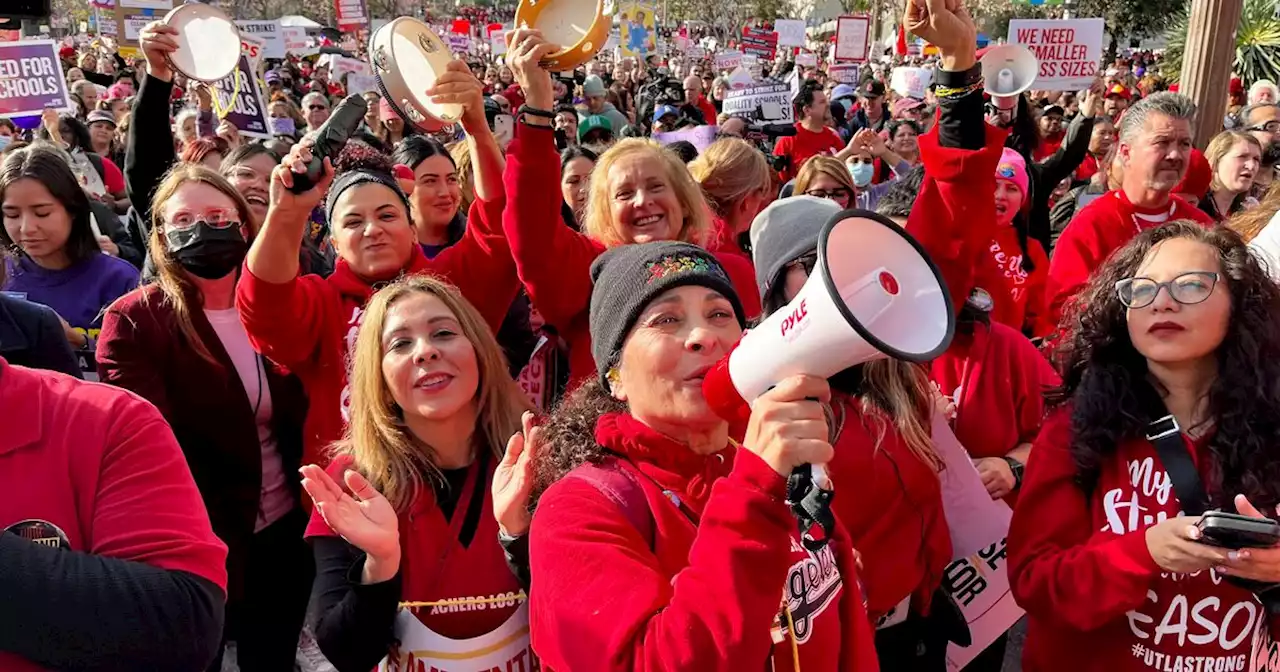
(1017, 294)
(102, 465)
(805, 145)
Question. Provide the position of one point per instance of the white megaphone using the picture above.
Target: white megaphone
(873, 293)
(1007, 71)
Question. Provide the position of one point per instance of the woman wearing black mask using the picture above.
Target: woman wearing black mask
(179, 343)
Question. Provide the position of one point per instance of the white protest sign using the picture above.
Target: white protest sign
(852, 35)
(975, 521)
(358, 83)
(844, 73)
(728, 59)
(979, 584)
(296, 42)
(269, 32)
(1069, 50)
(341, 65)
(133, 26)
(740, 78)
(146, 4)
(458, 42)
(767, 103)
(790, 32)
(700, 136)
(805, 59)
(253, 48)
(911, 82)
(749, 61)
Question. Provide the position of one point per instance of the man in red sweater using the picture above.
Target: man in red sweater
(1155, 148)
(814, 135)
(694, 97)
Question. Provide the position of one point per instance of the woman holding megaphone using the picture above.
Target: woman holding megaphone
(661, 543)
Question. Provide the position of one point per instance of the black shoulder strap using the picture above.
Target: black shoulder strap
(1166, 436)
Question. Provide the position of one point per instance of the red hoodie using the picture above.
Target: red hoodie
(891, 503)
(554, 261)
(1097, 601)
(309, 323)
(1102, 227)
(997, 379)
(704, 596)
(1017, 294)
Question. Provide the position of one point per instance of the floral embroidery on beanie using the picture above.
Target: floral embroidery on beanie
(680, 264)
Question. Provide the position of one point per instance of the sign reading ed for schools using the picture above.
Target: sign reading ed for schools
(31, 78)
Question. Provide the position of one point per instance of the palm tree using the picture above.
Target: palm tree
(1257, 43)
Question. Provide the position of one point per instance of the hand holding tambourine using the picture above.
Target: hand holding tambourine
(458, 86)
(527, 50)
(157, 41)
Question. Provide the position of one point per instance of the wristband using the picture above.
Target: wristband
(536, 112)
(1017, 468)
(958, 79)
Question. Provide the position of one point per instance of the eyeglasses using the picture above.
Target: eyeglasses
(316, 108)
(806, 262)
(1187, 289)
(214, 219)
(837, 194)
(1267, 127)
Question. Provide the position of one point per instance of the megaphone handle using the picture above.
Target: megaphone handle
(811, 505)
(303, 182)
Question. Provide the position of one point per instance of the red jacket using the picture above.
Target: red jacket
(309, 323)
(554, 261)
(100, 463)
(1097, 601)
(1102, 227)
(707, 109)
(997, 379)
(705, 594)
(890, 501)
(1017, 294)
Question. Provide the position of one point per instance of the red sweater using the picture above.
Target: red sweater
(1017, 294)
(1096, 599)
(804, 145)
(891, 503)
(309, 323)
(997, 379)
(554, 261)
(704, 596)
(1102, 227)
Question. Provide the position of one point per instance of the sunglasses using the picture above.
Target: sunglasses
(1187, 289)
(316, 108)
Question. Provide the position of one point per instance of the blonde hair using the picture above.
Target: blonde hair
(730, 170)
(598, 220)
(1220, 146)
(174, 282)
(1249, 223)
(461, 153)
(383, 450)
(823, 165)
(900, 393)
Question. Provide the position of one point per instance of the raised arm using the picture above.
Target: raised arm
(552, 260)
(149, 148)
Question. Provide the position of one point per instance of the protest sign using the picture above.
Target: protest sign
(979, 584)
(844, 73)
(359, 83)
(1069, 50)
(766, 103)
(852, 38)
(975, 521)
(637, 30)
(165, 5)
(239, 97)
(790, 32)
(458, 43)
(253, 48)
(31, 78)
(911, 82)
(740, 78)
(350, 14)
(341, 65)
(269, 33)
(295, 40)
(700, 136)
(806, 60)
(728, 59)
(759, 42)
(498, 43)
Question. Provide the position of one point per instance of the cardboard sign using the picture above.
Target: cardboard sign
(760, 42)
(790, 32)
(980, 586)
(852, 38)
(844, 73)
(728, 60)
(637, 30)
(766, 104)
(911, 82)
(243, 104)
(31, 79)
(700, 136)
(1069, 50)
(269, 32)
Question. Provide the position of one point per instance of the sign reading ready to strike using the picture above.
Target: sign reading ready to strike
(31, 78)
(1069, 50)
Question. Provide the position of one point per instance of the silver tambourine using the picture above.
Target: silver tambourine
(407, 59)
(579, 27)
(208, 42)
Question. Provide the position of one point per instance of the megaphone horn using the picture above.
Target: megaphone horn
(1008, 70)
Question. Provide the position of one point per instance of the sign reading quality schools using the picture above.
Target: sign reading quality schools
(31, 79)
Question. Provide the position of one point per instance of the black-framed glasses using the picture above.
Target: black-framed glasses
(806, 262)
(1267, 127)
(837, 194)
(1187, 289)
(316, 108)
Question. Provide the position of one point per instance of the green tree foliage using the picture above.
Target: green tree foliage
(1131, 18)
(1257, 43)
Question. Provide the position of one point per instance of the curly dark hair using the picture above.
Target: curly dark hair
(1105, 379)
(570, 434)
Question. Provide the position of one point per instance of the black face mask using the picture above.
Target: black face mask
(207, 252)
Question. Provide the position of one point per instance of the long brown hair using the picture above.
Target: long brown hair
(174, 282)
(395, 461)
(598, 220)
(1249, 223)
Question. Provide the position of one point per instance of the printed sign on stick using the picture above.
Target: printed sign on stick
(31, 78)
(1069, 50)
(767, 104)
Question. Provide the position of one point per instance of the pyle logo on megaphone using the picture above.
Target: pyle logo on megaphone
(873, 293)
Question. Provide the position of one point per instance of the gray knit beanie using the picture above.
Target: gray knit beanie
(628, 277)
(785, 231)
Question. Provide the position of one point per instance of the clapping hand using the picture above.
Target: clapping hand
(513, 480)
(363, 517)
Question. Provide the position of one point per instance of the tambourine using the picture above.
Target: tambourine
(579, 27)
(407, 58)
(208, 42)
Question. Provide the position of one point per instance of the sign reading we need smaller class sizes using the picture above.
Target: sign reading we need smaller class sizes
(1069, 50)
